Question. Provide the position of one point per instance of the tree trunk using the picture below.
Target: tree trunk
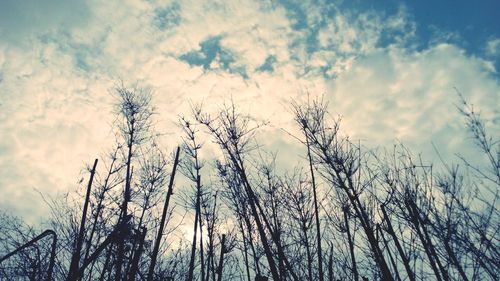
(406, 263)
(156, 247)
(351, 245)
(137, 256)
(195, 227)
(75, 259)
(221, 257)
(316, 211)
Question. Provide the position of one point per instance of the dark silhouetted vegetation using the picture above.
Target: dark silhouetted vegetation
(348, 211)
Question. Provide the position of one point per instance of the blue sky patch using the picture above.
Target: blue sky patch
(268, 65)
(469, 24)
(296, 14)
(212, 51)
(167, 17)
(208, 52)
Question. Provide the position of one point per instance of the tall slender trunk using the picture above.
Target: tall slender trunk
(330, 265)
(428, 239)
(202, 258)
(245, 252)
(402, 254)
(365, 224)
(221, 257)
(391, 258)
(245, 243)
(135, 240)
(350, 240)
(308, 251)
(281, 262)
(274, 237)
(156, 247)
(195, 227)
(137, 256)
(198, 207)
(126, 199)
(260, 227)
(250, 242)
(99, 208)
(368, 229)
(75, 259)
(316, 211)
(277, 229)
(416, 224)
(211, 252)
(444, 272)
(91, 237)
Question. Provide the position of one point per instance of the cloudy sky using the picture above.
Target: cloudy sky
(388, 67)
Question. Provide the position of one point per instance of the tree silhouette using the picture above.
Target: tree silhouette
(346, 211)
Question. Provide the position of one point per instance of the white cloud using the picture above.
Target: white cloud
(55, 93)
(392, 94)
(493, 47)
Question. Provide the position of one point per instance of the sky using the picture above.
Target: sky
(389, 68)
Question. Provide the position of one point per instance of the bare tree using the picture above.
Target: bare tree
(347, 212)
(232, 132)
